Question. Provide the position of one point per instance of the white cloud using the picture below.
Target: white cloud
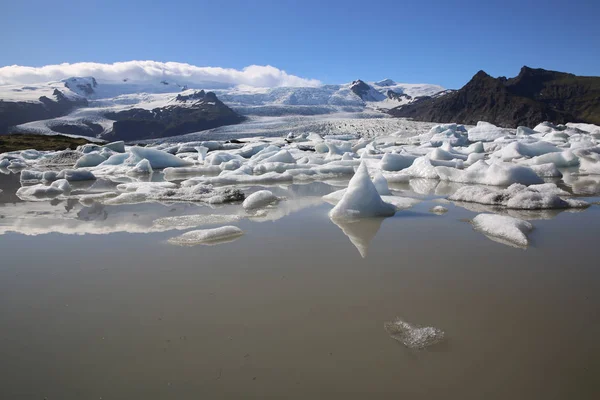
(253, 75)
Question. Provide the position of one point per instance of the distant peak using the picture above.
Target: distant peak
(481, 74)
(386, 82)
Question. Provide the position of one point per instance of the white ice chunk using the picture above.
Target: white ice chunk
(381, 184)
(143, 167)
(90, 160)
(34, 192)
(497, 174)
(282, 156)
(396, 162)
(439, 210)
(259, 199)
(208, 236)
(361, 199)
(117, 147)
(535, 197)
(192, 221)
(158, 159)
(507, 229)
(73, 175)
(486, 132)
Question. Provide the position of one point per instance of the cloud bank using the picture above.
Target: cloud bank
(142, 71)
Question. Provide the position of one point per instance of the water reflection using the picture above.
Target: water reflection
(360, 232)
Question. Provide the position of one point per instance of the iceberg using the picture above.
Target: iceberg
(361, 199)
(516, 196)
(158, 159)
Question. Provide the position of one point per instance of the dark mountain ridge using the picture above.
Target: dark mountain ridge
(533, 96)
(189, 113)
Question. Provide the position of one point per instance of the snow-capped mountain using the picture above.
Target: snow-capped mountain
(89, 105)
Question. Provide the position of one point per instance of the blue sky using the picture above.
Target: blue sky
(423, 41)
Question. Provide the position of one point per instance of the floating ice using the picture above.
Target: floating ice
(508, 230)
(439, 210)
(89, 160)
(35, 192)
(486, 132)
(413, 336)
(361, 199)
(117, 147)
(396, 162)
(516, 196)
(282, 156)
(219, 235)
(73, 175)
(381, 184)
(192, 221)
(143, 167)
(158, 159)
(498, 174)
(259, 199)
(420, 168)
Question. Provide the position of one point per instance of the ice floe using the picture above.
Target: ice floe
(517, 196)
(508, 230)
(259, 199)
(361, 199)
(223, 234)
(414, 336)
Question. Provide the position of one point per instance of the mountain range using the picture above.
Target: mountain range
(130, 110)
(533, 96)
(126, 110)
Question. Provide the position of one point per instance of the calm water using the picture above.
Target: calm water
(291, 309)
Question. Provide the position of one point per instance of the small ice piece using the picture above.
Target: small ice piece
(259, 199)
(497, 174)
(509, 230)
(73, 175)
(143, 167)
(486, 132)
(219, 235)
(117, 147)
(361, 199)
(89, 160)
(562, 160)
(381, 184)
(158, 159)
(525, 131)
(439, 210)
(116, 159)
(516, 196)
(34, 192)
(548, 170)
(420, 168)
(193, 221)
(413, 336)
(396, 162)
(202, 152)
(28, 175)
(282, 156)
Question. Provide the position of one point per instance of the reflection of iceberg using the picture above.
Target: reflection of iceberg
(360, 232)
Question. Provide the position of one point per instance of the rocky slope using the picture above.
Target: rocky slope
(189, 112)
(532, 96)
(47, 106)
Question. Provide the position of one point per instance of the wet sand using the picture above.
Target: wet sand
(291, 310)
